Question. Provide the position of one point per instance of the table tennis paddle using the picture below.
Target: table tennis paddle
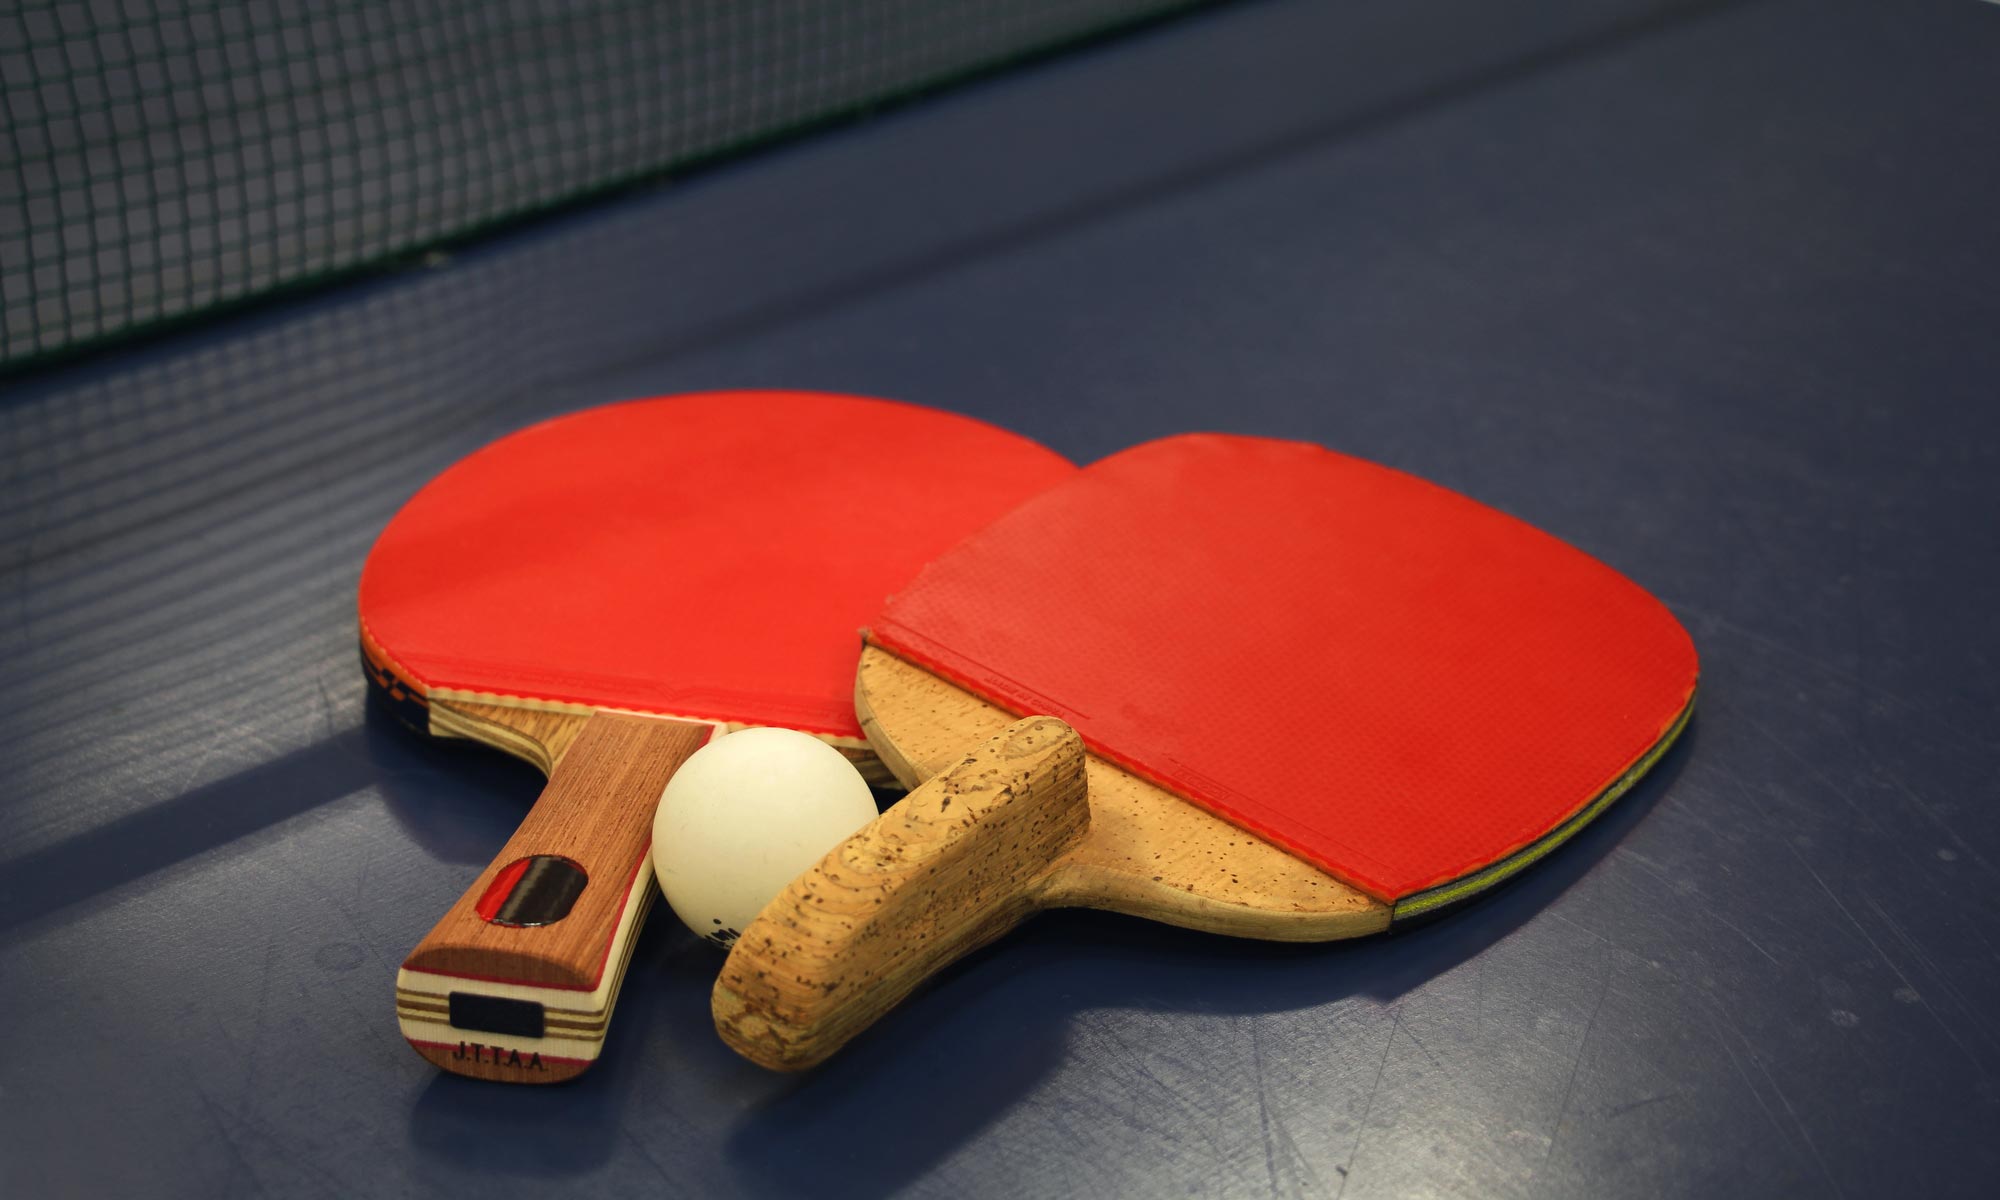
(1321, 698)
(596, 594)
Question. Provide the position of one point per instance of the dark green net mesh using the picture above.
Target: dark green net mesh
(162, 159)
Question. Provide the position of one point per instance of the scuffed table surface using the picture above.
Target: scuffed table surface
(1706, 289)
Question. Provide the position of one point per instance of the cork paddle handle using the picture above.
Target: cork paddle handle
(955, 864)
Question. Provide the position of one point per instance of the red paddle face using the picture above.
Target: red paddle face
(1392, 681)
(709, 556)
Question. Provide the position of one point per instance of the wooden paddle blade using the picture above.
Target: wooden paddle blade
(955, 864)
(1149, 853)
(518, 980)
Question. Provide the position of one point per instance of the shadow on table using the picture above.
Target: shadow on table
(962, 1051)
(457, 787)
(459, 800)
(473, 1127)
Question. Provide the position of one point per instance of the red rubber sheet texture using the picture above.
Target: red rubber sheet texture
(711, 556)
(1394, 681)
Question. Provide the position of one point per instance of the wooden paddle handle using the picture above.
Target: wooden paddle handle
(955, 864)
(517, 981)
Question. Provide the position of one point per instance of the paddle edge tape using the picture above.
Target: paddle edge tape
(1436, 901)
(408, 700)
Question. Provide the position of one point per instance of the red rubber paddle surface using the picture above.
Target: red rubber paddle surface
(1393, 681)
(711, 556)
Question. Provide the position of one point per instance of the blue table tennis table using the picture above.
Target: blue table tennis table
(1710, 290)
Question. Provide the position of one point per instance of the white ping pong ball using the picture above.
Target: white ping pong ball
(743, 817)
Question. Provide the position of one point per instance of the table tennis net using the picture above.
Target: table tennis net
(162, 159)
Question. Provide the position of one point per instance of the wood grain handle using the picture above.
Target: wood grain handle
(955, 864)
(517, 981)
